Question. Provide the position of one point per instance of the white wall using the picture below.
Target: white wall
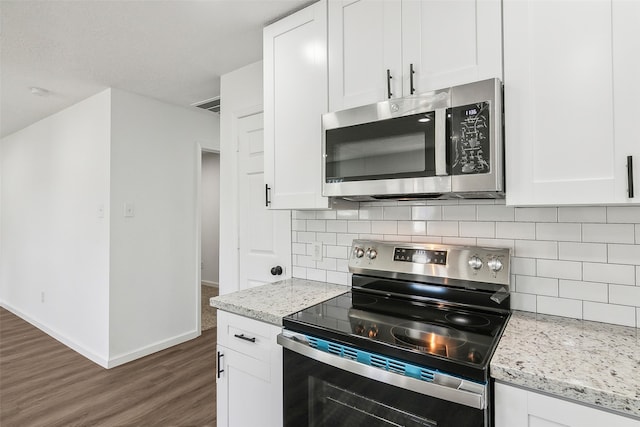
(241, 91)
(580, 262)
(210, 230)
(55, 178)
(154, 270)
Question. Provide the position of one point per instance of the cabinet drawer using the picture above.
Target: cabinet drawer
(251, 337)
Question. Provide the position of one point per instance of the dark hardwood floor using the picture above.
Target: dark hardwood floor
(44, 383)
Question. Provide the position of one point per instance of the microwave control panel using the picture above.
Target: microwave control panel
(469, 135)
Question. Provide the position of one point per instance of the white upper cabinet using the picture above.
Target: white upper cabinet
(295, 97)
(568, 67)
(374, 45)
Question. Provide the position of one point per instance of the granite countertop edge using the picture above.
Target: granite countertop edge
(577, 364)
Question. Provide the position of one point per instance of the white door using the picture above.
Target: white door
(264, 235)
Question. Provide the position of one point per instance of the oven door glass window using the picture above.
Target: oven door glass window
(317, 394)
(402, 147)
(468, 132)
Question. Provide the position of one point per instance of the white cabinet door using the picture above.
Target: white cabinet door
(364, 42)
(249, 373)
(626, 86)
(295, 97)
(264, 235)
(515, 407)
(450, 42)
(559, 128)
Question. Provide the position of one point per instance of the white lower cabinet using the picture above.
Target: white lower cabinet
(249, 372)
(516, 407)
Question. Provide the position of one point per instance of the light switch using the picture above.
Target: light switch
(316, 251)
(100, 211)
(129, 210)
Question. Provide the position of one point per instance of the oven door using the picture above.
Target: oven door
(322, 389)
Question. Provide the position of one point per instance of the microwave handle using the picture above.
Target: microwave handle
(441, 142)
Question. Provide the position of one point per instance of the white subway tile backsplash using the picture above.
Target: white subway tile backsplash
(412, 227)
(459, 213)
(397, 212)
(624, 254)
(567, 261)
(303, 214)
(316, 225)
(384, 227)
(536, 214)
(495, 213)
(559, 306)
(562, 232)
(305, 237)
(559, 269)
(582, 214)
(337, 252)
(587, 291)
(298, 225)
(359, 226)
(591, 252)
(523, 266)
(348, 214)
(371, 213)
(525, 302)
(299, 272)
(536, 249)
(537, 285)
(609, 273)
(624, 295)
(346, 239)
(318, 275)
(338, 278)
(623, 214)
(609, 313)
(516, 230)
(338, 226)
(477, 229)
(426, 213)
(442, 228)
(608, 233)
(326, 214)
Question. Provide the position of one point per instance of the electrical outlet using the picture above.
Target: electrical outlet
(316, 251)
(129, 210)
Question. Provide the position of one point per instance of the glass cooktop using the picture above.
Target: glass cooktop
(437, 335)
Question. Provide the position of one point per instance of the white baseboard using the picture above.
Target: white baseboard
(150, 349)
(96, 358)
(208, 283)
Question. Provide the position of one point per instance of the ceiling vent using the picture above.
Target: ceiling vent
(212, 104)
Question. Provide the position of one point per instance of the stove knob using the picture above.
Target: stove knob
(494, 265)
(358, 252)
(372, 253)
(475, 262)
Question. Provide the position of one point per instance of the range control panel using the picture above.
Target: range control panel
(420, 256)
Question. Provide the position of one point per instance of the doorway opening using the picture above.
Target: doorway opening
(210, 236)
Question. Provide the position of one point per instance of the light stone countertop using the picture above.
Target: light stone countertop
(271, 302)
(589, 362)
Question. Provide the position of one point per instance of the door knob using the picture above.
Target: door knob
(276, 271)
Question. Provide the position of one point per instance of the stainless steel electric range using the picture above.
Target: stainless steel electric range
(409, 345)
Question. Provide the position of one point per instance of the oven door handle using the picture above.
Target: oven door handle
(444, 386)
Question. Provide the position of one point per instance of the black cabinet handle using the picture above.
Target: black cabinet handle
(630, 175)
(276, 271)
(243, 337)
(411, 73)
(220, 370)
(267, 202)
(389, 94)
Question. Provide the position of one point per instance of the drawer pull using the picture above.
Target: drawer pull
(243, 337)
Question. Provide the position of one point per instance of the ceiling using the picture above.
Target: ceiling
(174, 51)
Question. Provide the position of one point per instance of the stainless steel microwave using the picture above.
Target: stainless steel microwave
(442, 144)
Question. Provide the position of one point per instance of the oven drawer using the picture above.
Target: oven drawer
(250, 337)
